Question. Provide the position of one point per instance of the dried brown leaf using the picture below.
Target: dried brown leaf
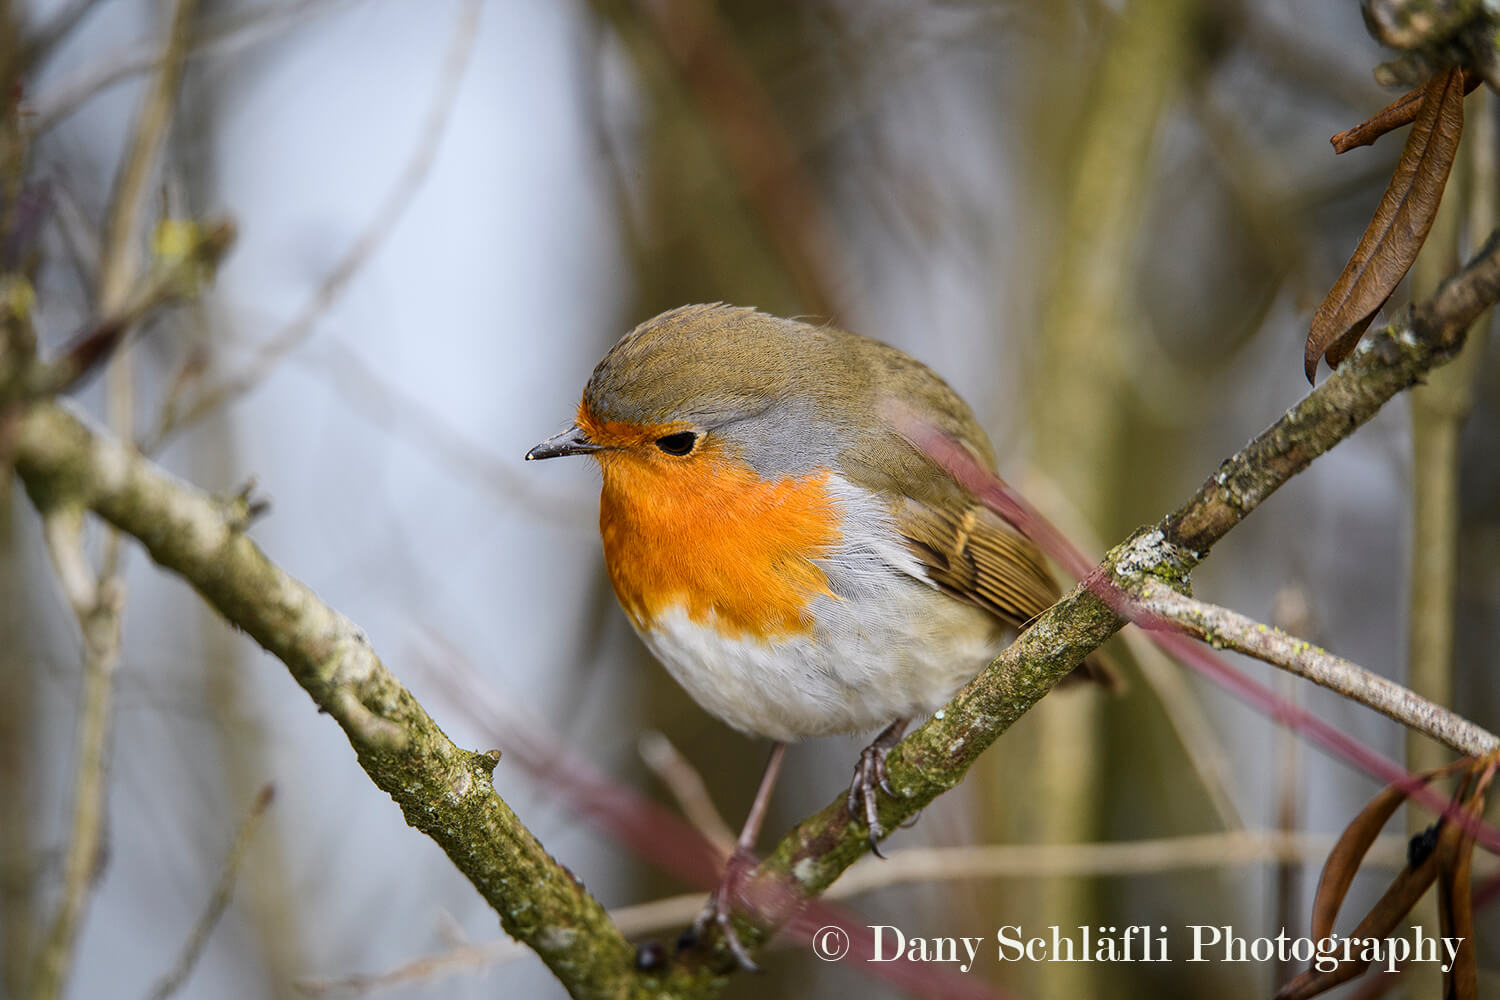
(1347, 854)
(1455, 897)
(1447, 863)
(1389, 911)
(1344, 860)
(1400, 225)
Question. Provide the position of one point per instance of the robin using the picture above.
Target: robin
(799, 566)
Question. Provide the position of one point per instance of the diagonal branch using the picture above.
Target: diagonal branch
(1229, 629)
(1424, 338)
(218, 901)
(176, 278)
(443, 790)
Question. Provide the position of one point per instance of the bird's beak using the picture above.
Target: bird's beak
(572, 441)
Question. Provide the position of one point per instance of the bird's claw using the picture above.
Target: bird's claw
(718, 912)
(869, 775)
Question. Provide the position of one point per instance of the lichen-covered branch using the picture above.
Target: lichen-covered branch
(1384, 365)
(1231, 630)
(443, 790)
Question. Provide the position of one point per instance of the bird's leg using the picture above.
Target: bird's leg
(869, 774)
(721, 900)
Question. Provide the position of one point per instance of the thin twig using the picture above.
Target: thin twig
(119, 248)
(761, 155)
(97, 608)
(382, 223)
(218, 900)
(387, 403)
(225, 35)
(80, 237)
(45, 39)
(177, 280)
(118, 257)
(687, 787)
(1200, 741)
(1229, 629)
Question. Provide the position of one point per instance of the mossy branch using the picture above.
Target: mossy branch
(443, 790)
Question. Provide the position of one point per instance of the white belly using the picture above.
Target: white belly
(854, 672)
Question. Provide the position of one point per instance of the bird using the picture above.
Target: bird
(798, 564)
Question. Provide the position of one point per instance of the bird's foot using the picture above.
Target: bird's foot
(869, 775)
(719, 911)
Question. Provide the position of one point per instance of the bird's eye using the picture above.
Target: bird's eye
(677, 444)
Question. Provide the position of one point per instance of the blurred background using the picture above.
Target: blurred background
(1105, 223)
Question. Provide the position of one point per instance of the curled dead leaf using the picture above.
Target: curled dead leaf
(1443, 855)
(1399, 228)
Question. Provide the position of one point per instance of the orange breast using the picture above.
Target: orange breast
(706, 533)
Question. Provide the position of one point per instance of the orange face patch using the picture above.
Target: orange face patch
(705, 532)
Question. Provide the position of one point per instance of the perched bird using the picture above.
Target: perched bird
(797, 564)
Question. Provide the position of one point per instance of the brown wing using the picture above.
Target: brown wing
(978, 558)
(975, 556)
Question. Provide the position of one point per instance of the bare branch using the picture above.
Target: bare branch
(232, 32)
(1229, 629)
(1353, 394)
(397, 200)
(45, 39)
(117, 257)
(687, 787)
(97, 607)
(178, 278)
(218, 901)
